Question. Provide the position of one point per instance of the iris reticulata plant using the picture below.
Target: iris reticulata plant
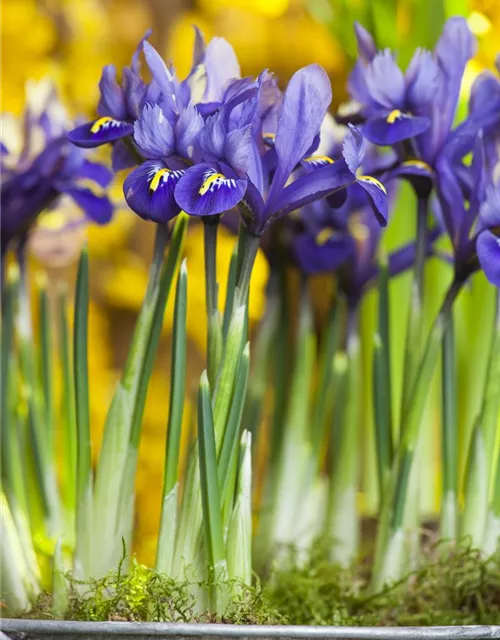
(315, 192)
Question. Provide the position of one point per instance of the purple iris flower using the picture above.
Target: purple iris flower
(346, 241)
(59, 169)
(166, 133)
(36, 179)
(122, 104)
(119, 106)
(488, 235)
(266, 181)
(472, 220)
(419, 104)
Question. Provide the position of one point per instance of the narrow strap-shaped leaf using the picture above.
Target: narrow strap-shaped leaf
(227, 373)
(60, 599)
(239, 536)
(177, 383)
(84, 528)
(165, 284)
(68, 411)
(212, 520)
(449, 506)
(322, 399)
(231, 440)
(46, 365)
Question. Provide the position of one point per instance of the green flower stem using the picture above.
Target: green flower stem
(343, 525)
(68, 418)
(84, 522)
(214, 337)
(231, 286)
(415, 325)
(449, 505)
(390, 538)
(249, 247)
(166, 538)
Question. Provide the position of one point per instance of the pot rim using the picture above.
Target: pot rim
(54, 628)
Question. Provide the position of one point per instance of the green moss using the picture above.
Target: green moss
(463, 589)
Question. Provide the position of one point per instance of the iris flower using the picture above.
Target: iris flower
(122, 104)
(473, 221)
(419, 104)
(47, 167)
(267, 181)
(345, 239)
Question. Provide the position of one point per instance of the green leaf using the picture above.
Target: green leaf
(239, 536)
(229, 451)
(60, 599)
(212, 521)
(166, 537)
(449, 506)
(84, 524)
(68, 417)
(177, 383)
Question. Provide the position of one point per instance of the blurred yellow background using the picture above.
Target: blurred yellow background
(69, 41)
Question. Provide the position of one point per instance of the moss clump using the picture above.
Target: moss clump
(141, 594)
(462, 589)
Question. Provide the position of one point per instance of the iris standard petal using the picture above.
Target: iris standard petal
(221, 66)
(159, 70)
(484, 88)
(488, 252)
(353, 148)
(153, 133)
(455, 48)
(149, 191)
(187, 129)
(324, 252)
(366, 45)
(134, 90)
(301, 113)
(385, 81)
(96, 208)
(207, 189)
(112, 101)
(102, 131)
(422, 81)
(387, 129)
(378, 195)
